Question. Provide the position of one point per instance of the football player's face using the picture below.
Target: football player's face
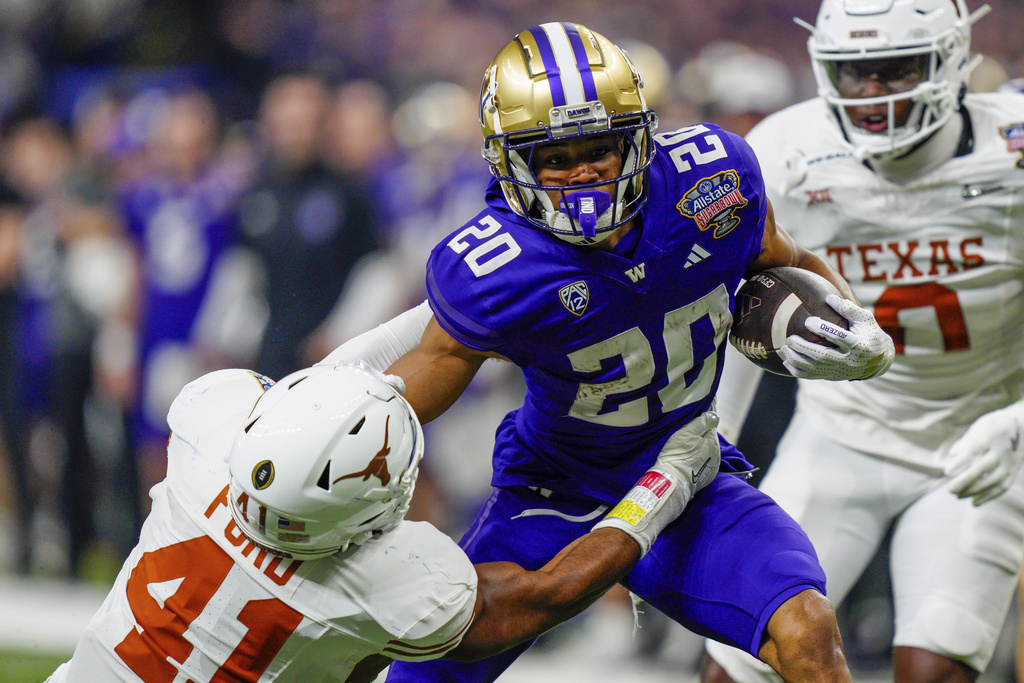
(577, 161)
(876, 78)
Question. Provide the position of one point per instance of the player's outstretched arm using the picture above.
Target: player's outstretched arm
(514, 605)
(435, 367)
(436, 371)
(386, 343)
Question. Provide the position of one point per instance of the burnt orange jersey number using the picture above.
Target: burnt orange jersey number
(201, 567)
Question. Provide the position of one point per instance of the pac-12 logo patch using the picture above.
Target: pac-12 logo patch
(575, 297)
(713, 202)
(1014, 135)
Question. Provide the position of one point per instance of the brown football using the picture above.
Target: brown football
(774, 304)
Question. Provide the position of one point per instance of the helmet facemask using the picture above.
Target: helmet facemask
(923, 46)
(586, 212)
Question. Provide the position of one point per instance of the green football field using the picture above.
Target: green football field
(21, 667)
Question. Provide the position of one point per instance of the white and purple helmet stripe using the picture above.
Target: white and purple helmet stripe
(565, 63)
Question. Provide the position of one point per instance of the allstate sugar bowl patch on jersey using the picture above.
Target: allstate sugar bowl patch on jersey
(713, 202)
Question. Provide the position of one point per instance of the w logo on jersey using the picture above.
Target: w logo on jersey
(575, 297)
(637, 273)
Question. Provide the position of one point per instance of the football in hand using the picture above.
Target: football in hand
(774, 304)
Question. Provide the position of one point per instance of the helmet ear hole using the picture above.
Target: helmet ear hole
(324, 481)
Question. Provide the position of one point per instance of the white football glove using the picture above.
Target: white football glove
(688, 462)
(393, 381)
(984, 461)
(864, 351)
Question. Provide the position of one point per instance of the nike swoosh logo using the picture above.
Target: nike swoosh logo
(694, 476)
(974, 191)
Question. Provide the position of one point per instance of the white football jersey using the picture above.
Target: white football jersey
(196, 601)
(940, 261)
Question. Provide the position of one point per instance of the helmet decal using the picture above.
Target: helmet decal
(263, 475)
(378, 466)
(565, 63)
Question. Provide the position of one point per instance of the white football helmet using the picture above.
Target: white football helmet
(556, 82)
(327, 458)
(936, 32)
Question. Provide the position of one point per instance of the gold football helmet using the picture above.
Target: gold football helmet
(555, 82)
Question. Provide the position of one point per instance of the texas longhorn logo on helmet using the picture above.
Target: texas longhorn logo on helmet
(378, 465)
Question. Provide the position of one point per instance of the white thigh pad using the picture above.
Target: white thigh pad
(954, 569)
(950, 629)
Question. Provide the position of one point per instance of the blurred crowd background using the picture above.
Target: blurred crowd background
(188, 185)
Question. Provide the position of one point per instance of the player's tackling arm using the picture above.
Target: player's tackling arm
(386, 343)
(436, 371)
(514, 605)
(778, 248)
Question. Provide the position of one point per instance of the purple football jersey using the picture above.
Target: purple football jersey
(617, 352)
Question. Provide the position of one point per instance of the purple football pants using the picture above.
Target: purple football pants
(721, 569)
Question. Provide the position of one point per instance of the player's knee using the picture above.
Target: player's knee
(953, 630)
(804, 632)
